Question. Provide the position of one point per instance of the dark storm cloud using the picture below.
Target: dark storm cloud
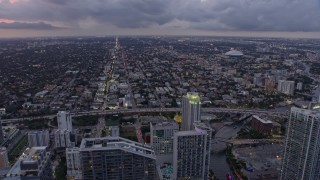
(20, 25)
(243, 15)
(253, 15)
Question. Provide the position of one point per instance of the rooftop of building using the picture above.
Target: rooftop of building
(264, 121)
(286, 81)
(165, 124)
(187, 133)
(30, 155)
(202, 127)
(73, 149)
(313, 112)
(37, 131)
(234, 53)
(114, 143)
(62, 131)
(63, 112)
(165, 171)
(193, 97)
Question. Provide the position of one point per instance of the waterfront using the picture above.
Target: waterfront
(219, 163)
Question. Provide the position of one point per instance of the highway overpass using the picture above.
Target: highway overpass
(154, 110)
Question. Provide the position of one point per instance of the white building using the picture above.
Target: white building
(64, 120)
(299, 86)
(115, 132)
(62, 139)
(286, 87)
(38, 138)
(73, 163)
(4, 162)
(191, 153)
(257, 81)
(301, 158)
(2, 111)
(161, 137)
(191, 105)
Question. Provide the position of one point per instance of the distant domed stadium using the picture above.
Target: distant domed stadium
(234, 53)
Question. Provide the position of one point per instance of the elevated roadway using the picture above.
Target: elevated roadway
(247, 141)
(155, 110)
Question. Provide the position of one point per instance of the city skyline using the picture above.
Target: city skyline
(30, 18)
(159, 107)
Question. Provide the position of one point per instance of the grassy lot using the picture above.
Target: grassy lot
(16, 151)
(61, 170)
(85, 120)
(37, 124)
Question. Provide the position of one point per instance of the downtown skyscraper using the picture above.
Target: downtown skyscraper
(301, 158)
(191, 152)
(113, 158)
(191, 105)
(64, 132)
(38, 138)
(286, 87)
(162, 137)
(64, 120)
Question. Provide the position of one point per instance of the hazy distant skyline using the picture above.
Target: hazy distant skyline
(270, 18)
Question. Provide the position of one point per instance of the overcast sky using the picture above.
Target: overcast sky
(289, 18)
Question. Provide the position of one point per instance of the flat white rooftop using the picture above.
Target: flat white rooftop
(262, 120)
(113, 143)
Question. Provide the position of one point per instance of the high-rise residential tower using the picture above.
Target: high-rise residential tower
(112, 158)
(38, 138)
(73, 163)
(161, 137)
(63, 139)
(64, 120)
(191, 153)
(286, 87)
(301, 158)
(269, 85)
(190, 110)
(4, 162)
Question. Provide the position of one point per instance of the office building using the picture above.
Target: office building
(73, 163)
(261, 125)
(299, 86)
(286, 87)
(161, 137)
(191, 153)
(4, 162)
(190, 110)
(34, 163)
(38, 138)
(301, 158)
(63, 139)
(2, 111)
(113, 158)
(269, 85)
(258, 81)
(64, 120)
(115, 132)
